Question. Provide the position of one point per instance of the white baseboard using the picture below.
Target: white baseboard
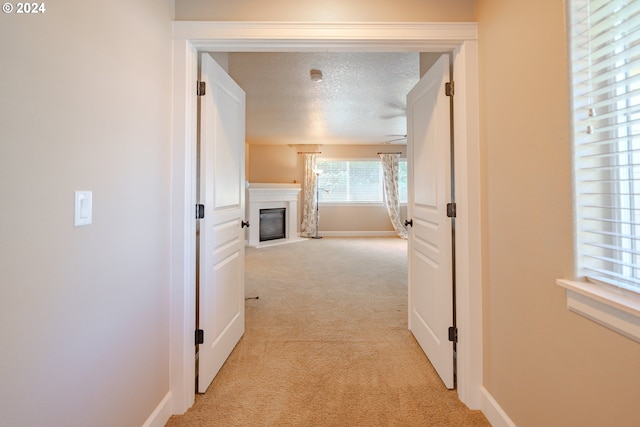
(494, 413)
(358, 233)
(161, 414)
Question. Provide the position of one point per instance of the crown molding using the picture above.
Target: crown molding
(309, 36)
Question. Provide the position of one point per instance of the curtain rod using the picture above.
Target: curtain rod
(397, 152)
(309, 152)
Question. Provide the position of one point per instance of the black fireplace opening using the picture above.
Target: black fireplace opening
(272, 224)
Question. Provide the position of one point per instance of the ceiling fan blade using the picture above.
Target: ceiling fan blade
(396, 140)
(396, 106)
(392, 116)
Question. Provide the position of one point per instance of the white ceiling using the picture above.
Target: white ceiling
(361, 99)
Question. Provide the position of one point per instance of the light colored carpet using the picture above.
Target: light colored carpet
(327, 344)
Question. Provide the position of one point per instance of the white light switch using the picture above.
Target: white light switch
(83, 208)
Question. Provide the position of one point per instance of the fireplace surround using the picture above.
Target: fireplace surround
(268, 196)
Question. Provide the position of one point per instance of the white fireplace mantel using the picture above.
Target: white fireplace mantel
(271, 196)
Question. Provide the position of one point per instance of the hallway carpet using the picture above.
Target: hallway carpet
(326, 344)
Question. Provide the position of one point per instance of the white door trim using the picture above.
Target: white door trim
(460, 38)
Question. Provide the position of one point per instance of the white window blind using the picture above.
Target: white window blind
(605, 50)
(356, 181)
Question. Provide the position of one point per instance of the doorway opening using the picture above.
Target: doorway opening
(427, 122)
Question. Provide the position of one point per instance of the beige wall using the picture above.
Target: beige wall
(275, 164)
(544, 365)
(326, 10)
(283, 164)
(364, 219)
(85, 99)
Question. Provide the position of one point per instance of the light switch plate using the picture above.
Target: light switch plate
(83, 208)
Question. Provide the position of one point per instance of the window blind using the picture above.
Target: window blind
(402, 181)
(605, 57)
(350, 181)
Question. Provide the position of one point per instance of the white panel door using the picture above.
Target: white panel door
(430, 239)
(221, 251)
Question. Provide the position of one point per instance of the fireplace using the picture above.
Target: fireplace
(273, 214)
(272, 224)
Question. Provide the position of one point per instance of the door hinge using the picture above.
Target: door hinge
(451, 210)
(202, 89)
(199, 336)
(199, 211)
(453, 334)
(449, 89)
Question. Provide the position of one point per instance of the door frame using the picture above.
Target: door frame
(190, 38)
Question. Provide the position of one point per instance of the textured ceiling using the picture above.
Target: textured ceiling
(361, 99)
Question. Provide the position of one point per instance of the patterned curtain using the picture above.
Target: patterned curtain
(392, 199)
(309, 203)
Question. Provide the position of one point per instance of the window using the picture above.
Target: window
(402, 180)
(605, 58)
(356, 181)
(606, 99)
